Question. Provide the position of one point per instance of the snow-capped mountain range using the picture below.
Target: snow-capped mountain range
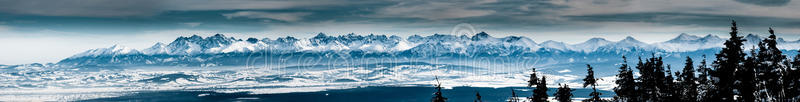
(202, 50)
(437, 43)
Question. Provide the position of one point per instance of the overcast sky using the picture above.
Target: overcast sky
(49, 30)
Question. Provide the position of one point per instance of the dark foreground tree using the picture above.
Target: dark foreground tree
(626, 85)
(688, 82)
(438, 95)
(745, 79)
(771, 65)
(669, 93)
(564, 93)
(534, 81)
(590, 80)
(792, 80)
(477, 97)
(513, 96)
(728, 60)
(704, 84)
(540, 93)
(652, 80)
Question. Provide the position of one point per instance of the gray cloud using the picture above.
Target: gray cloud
(433, 10)
(410, 14)
(288, 17)
(125, 8)
(709, 20)
(84, 8)
(766, 2)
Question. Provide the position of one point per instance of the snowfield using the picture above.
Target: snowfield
(26, 84)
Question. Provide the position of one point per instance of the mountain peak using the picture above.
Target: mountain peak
(480, 36)
(195, 37)
(683, 37)
(158, 48)
(627, 38)
(320, 35)
(219, 35)
(113, 50)
(630, 39)
(159, 44)
(593, 40)
(550, 41)
(252, 40)
(120, 48)
(752, 37)
(710, 36)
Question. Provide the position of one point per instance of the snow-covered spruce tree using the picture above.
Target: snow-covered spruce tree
(669, 92)
(563, 94)
(540, 93)
(771, 66)
(660, 78)
(626, 85)
(745, 79)
(652, 85)
(704, 84)
(438, 95)
(792, 80)
(728, 60)
(534, 81)
(688, 82)
(590, 80)
(646, 86)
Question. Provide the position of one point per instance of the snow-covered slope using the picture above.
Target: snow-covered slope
(113, 50)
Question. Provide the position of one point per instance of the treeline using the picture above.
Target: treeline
(762, 74)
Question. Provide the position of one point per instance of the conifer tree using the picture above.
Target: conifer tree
(688, 82)
(728, 60)
(590, 80)
(647, 86)
(540, 93)
(626, 85)
(704, 84)
(563, 94)
(653, 78)
(792, 80)
(770, 68)
(438, 95)
(513, 96)
(477, 97)
(745, 76)
(534, 81)
(669, 92)
(659, 76)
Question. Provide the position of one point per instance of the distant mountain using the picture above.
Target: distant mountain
(221, 50)
(590, 45)
(554, 45)
(686, 42)
(113, 50)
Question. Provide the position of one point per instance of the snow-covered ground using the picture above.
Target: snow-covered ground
(44, 84)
